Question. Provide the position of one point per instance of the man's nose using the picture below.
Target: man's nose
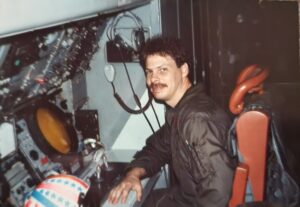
(154, 77)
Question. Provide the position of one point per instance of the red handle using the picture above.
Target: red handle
(248, 81)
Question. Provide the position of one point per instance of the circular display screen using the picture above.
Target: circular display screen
(53, 130)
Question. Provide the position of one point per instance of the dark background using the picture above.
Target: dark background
(225, 36)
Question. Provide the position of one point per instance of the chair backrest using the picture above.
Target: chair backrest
(251, 137)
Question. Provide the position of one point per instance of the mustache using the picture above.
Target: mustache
(157, 85)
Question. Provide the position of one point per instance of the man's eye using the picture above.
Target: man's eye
(163, 69)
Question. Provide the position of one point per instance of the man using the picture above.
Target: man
(193, 140)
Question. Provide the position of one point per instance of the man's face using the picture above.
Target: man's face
(164, 78)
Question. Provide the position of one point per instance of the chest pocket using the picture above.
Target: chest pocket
(189, 159)
(193, 159)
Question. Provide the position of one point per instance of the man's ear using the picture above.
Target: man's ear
(185, 70)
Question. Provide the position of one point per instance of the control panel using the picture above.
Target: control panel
(37, 63)
(38, 161)
(20, 182)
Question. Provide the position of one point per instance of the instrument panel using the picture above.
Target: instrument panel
(44, 143)
(47, 135)
(37, 63)
(40, 135)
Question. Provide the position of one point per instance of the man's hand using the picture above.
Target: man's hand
(130, 182)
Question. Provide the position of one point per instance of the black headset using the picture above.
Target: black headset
(137, 37)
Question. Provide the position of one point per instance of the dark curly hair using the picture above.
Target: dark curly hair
(164, 46)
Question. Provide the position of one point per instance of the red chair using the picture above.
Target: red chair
(251, 137)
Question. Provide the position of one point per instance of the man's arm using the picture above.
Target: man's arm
(147, 162)
(131, 181)
(155, 154)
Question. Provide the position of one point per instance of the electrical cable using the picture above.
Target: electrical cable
(143, 111)
(121, 102)
(136, 98)
(120, 43)
(138, 38)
